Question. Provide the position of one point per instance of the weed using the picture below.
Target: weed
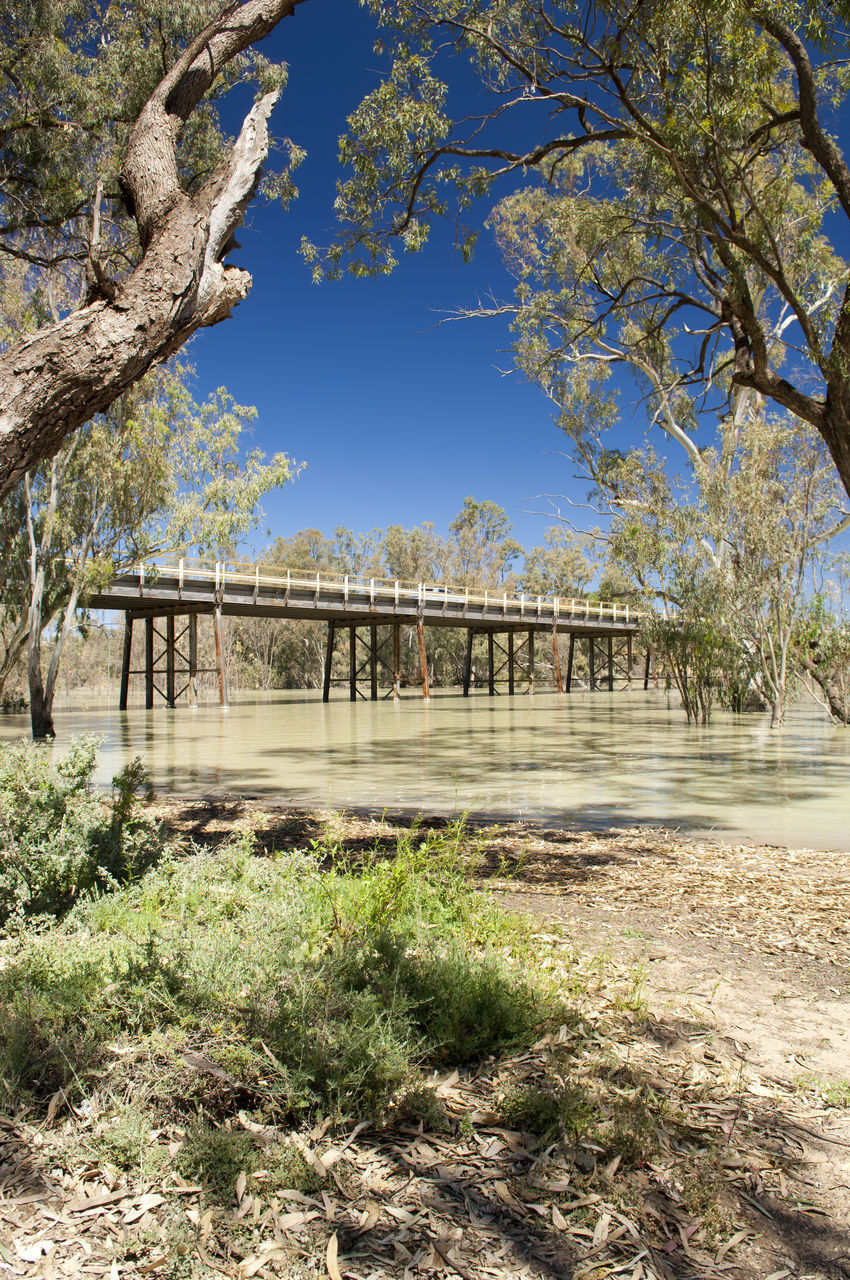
(549, 1108)
(834, 1093)
(215, 1158)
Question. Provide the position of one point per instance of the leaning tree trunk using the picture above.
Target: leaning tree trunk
(56, 379)
(837, 698)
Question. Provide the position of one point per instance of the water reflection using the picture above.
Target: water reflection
(582, 760)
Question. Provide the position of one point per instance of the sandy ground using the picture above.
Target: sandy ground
(743, 956)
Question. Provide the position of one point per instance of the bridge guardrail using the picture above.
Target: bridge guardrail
(378, 590)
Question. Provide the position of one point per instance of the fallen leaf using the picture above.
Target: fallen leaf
(331, 1258)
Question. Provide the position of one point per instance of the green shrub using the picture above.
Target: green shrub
(303, 992)
(59, 839)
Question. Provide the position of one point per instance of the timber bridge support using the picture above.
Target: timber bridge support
(169, 598)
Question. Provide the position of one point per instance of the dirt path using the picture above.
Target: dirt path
(745, 957)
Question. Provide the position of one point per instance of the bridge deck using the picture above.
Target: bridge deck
(347, 600)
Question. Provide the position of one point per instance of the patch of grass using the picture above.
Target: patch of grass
(834, 1093)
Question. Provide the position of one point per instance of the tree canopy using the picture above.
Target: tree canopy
(119, 195)
(675, 175)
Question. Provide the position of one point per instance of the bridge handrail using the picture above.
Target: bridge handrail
(222, 572)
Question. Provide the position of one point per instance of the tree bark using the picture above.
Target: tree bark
(57, 378)
(837, 700)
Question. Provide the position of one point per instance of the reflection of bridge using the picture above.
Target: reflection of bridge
(160, 594)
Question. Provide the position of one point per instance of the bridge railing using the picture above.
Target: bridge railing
(376, 590)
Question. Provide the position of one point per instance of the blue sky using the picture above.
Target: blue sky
(397, 417)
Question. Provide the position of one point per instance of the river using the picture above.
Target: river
(579, 760)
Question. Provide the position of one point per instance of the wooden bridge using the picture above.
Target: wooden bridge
(168, 598)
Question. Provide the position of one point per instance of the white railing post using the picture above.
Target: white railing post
(627, 613)
(396, 593)
(180, 576)
(538, 606)
(141, 577)
(555, 608)
(345, 588)
(485, 599)
(505, 602)
(217, 573)
(522, 605)
(371, 590)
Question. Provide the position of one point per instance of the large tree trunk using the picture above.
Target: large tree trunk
(56, 379)
(41, 708)
(837, 700)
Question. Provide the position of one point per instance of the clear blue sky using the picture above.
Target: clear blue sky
(397, 417)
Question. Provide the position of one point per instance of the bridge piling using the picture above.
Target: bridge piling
(148, 663)
(125, 661)
(423, 660)
(396, 657)
(570, 656)
(219, 657)
(510, 663)
(329, 657)
(373, 663)
(531, 655)
(556, 656)
(352, 664)
(467, 664)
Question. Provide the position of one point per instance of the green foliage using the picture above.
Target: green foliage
(267, 984)
(215, 1157)
(58, 839)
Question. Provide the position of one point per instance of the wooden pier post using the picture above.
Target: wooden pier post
(467, 666)
(570, 656)
(193, 659)
(610, 664)
(329, 657)
(491, 675)
(530, 660)
(396, 661)
(423, 660)
(125, 661)
(646, 668)
(149, 634)
(219, 657)
(591, 663)
(629, 660)
(352, 664)
(556, 655)
(511, 663)
(170, 698)
(373, 663)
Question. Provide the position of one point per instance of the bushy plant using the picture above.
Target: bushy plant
(267, 984)
(60, 839)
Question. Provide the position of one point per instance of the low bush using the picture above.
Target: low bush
(59, 838)
(267, 984)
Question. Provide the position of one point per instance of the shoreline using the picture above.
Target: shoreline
(476, 819)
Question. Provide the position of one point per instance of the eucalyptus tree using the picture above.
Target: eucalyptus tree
(116, 171)
(672, 167)
(734, 562)
(156, 473)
